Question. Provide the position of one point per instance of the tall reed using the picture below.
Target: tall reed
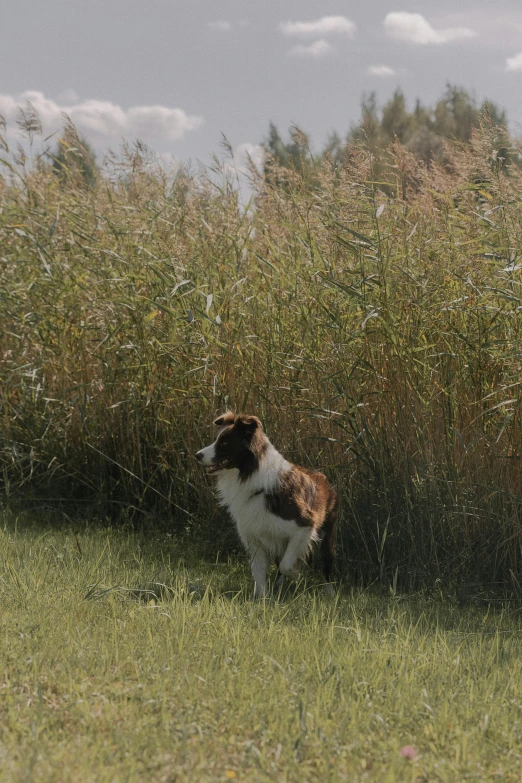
(370, 314)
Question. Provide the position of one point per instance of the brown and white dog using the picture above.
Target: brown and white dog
(280, 510)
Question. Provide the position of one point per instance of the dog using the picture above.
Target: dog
(280, 510)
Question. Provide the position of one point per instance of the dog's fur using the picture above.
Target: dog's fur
(280, 509)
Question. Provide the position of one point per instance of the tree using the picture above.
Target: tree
(293, 154)
(396, 122)
(369, 128)
(74, 158)
(422, 130)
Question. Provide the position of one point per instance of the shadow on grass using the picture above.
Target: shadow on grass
(155, 566)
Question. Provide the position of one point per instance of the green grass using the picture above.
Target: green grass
(100, 681)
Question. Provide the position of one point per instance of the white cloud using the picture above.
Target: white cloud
(326, 25)
(102, 121)
(414, 28)
(239, 168)
(68, 96)
(499, 27)
(381, 70)
(248, 153)
(221, 25)
(514, 63)
(317, 49)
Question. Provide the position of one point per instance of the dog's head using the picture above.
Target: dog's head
(239, 445)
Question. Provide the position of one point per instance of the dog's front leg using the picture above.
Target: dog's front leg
(259, 565)
(280, 583)
(295, 554)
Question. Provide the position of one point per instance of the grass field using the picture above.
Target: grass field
(370, 314)
(126, 657)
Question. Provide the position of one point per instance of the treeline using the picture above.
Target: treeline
(422, 130)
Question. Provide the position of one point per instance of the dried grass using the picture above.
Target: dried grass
(370, 315)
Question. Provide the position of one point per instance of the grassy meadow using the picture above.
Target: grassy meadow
(127, 657)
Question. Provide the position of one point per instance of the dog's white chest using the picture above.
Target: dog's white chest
(246, 503)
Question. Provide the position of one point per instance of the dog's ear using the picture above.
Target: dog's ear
(226, 418)
(249, 423)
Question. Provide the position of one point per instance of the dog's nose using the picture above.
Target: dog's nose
(199, 455)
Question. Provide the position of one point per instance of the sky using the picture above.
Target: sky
(180, 73)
